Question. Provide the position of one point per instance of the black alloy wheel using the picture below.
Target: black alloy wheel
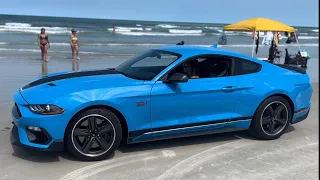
(271, 118)
(274, 118)
(93, 135)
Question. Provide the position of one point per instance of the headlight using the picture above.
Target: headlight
(46, 109)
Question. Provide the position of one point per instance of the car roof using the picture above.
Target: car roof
(198, 50)
(182, 49)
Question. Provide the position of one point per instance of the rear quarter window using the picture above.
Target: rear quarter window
(242, 67)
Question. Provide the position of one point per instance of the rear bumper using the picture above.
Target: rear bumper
(15, 141)
(300, 115)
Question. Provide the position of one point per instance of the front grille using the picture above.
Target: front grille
(16, 112)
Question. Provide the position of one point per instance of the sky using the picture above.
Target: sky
(291, 12)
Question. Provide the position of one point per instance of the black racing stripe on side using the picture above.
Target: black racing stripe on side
(240, 118)
(140, 132)
(70, 75)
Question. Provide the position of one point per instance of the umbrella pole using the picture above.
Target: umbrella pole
(253, 43)
(296, 40)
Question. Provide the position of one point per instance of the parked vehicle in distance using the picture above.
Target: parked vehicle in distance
(168, 92)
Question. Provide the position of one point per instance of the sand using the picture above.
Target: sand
(221, 156)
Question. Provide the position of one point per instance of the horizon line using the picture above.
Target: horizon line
(135, 20)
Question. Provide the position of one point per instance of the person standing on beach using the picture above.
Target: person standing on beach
(114, 29)
(44, 44)
(74, 43)
(257, 36)
(269, 38)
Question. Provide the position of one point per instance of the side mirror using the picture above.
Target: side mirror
(176, 77)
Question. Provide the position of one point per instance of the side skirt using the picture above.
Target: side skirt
(190, 130)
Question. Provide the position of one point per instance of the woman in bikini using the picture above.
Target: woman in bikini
(74, 43)
(44, 44)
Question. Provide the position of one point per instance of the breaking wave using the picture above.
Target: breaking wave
(28, 28)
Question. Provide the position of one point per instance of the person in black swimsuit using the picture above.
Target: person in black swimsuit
(44, 44)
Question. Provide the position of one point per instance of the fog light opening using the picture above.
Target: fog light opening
(31, 137)
(38, 135)
(34, 128)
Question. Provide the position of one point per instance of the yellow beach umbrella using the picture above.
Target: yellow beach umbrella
(259, 24)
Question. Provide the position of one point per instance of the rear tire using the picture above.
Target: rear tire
(271, 118)
(93, 134)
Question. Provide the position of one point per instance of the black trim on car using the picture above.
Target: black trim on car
(16, 112)
(186, 134)
(41, 137)
(134, 134)
(15, 141)
(299, 119)
(301, 110)
(47, 79)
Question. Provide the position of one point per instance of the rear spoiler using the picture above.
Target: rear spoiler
(292, 68)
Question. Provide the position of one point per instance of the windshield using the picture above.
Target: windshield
(147, 65)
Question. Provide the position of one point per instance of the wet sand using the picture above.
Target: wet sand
(17, 72)
(231, 156)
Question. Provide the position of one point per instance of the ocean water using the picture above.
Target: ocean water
(20, 59)
(18, 36)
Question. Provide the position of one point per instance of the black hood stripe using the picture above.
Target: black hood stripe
(70, 75)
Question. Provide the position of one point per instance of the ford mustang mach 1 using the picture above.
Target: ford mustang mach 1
(167, 92)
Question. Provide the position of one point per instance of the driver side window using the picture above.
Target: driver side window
(204, 67)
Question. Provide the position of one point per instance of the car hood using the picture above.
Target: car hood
(49, 87)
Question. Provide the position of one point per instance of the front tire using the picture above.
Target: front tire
(93, 134)
(271, 119)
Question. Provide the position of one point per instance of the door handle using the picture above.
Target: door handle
(229, 88)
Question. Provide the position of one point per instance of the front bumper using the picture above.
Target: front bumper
(51, 136)
(15, 141)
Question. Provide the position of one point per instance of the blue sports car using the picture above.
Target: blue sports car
(167, 92)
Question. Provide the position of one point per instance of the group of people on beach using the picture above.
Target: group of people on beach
(44, 44)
